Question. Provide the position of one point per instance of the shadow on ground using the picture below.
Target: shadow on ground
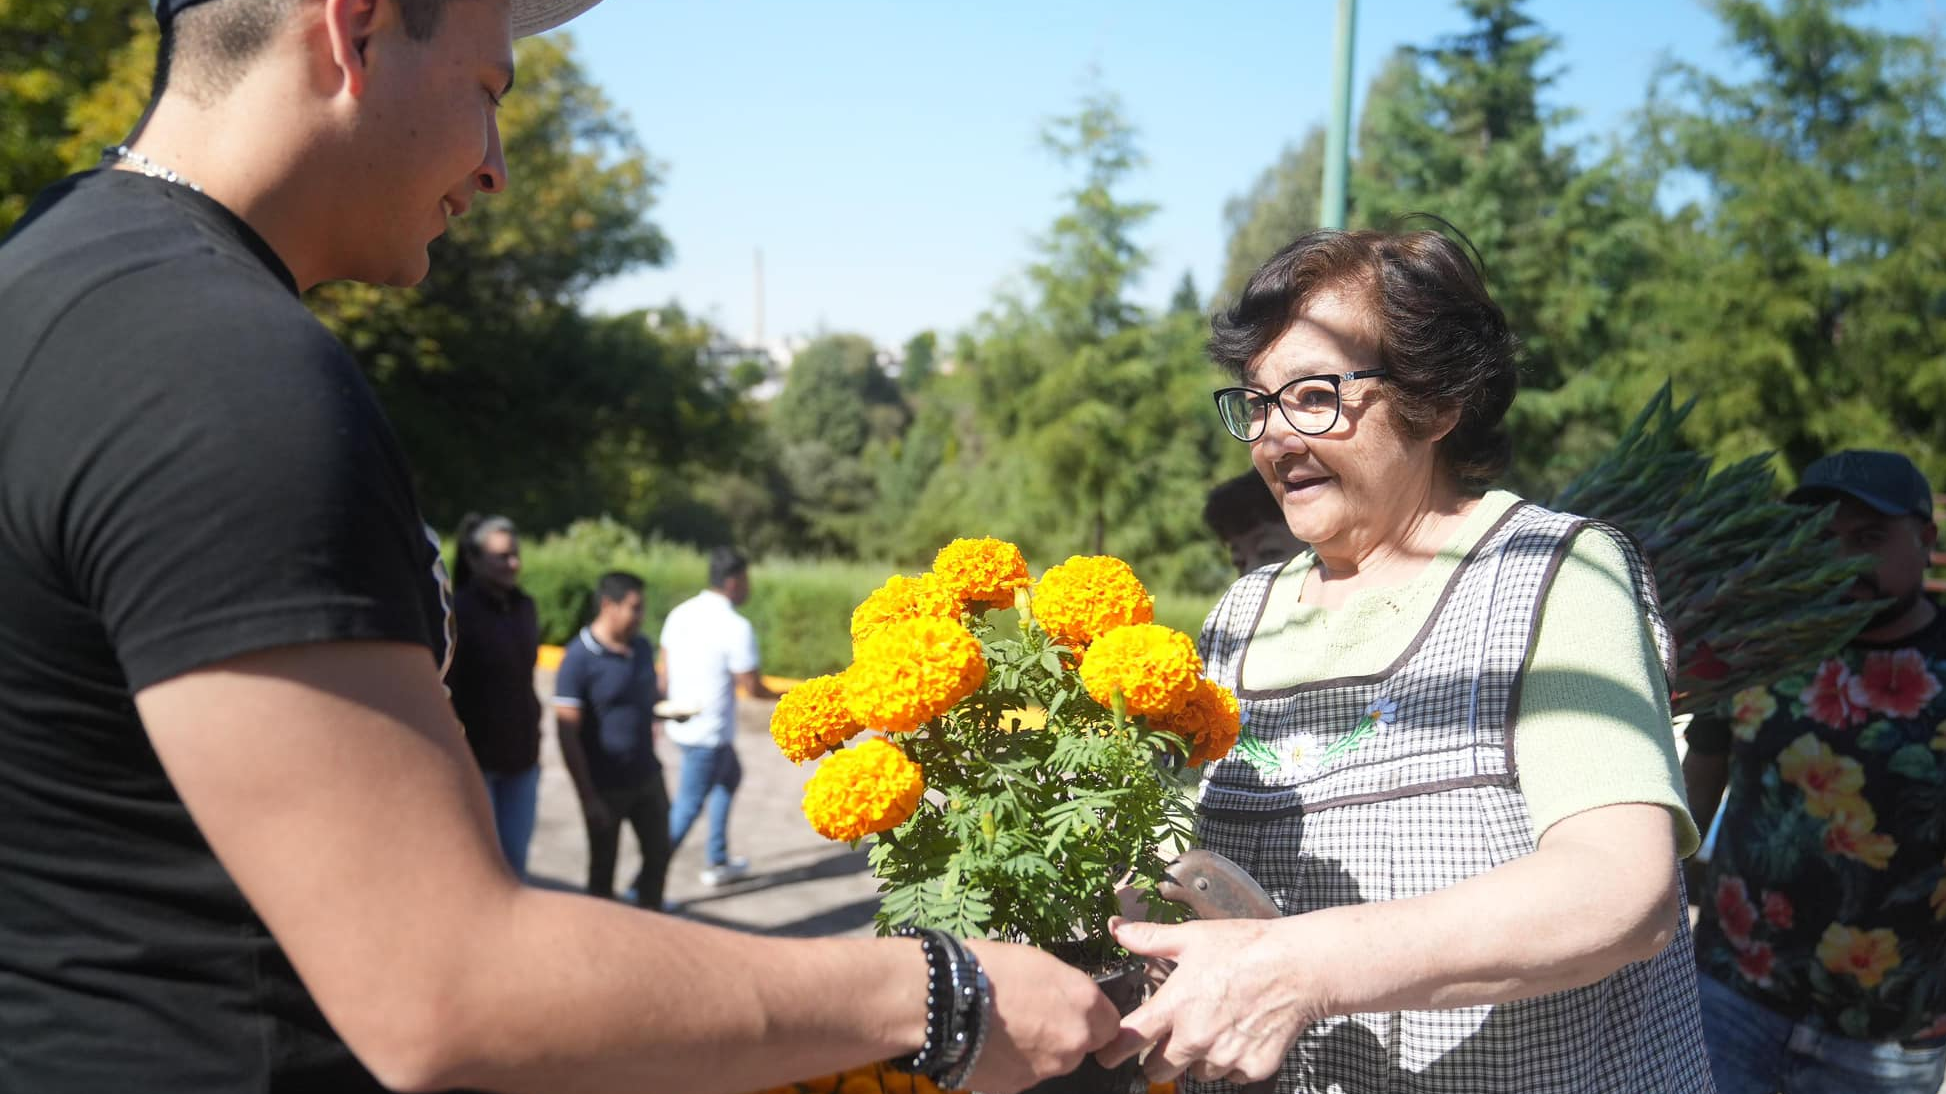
(818, 920)
(839, 864)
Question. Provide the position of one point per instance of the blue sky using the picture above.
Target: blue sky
(885, 156)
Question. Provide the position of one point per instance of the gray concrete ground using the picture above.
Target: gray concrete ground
(799, 884)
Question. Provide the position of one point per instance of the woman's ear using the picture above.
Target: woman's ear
(1443, 423)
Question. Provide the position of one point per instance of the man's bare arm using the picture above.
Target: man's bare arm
(574, 754)
(333, 784)
(752, 684)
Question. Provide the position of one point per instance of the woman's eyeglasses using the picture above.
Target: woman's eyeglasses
(1309, 403)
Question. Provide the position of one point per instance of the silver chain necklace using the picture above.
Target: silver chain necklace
(124, 154)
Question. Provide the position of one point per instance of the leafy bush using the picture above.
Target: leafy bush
(1183, 611)
(560, 572)
(802, 612)
(800, 607)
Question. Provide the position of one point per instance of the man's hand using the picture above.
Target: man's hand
(1047, 1015)
(596, 811)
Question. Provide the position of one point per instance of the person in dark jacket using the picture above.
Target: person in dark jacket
(492, 678)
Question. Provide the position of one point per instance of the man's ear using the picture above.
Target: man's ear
(348, 28)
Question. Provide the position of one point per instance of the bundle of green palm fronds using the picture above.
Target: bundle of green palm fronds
(1751, 587)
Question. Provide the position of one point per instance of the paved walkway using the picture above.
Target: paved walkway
(799, 883)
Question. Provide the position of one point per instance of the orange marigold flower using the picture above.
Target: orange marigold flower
(983, 571)
(902, 598)
(1154, 668)
(858, 791)
(813, 718)
(1866, 955)
(910, 672)
(1089, 595)
(1210, 720)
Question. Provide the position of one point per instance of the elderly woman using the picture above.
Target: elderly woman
(1458, 777)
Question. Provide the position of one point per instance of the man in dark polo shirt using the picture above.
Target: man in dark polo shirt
(604, 703)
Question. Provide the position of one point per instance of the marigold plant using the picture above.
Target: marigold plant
(813, 718)
(1089, 595)
(982, 572)
(910, 672)
(1039, 796)
(861, 791)
(902, 598)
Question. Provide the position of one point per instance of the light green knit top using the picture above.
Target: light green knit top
(1593, 726)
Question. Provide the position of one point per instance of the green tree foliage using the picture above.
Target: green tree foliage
(1187, 298)
(1462, 130)
(51, 53)
(1077, 419)
(1802, 292)
(1072, 418)
(1280, 205)
(838, 394)
(837, 402)
(1089, 257)
(921, 360)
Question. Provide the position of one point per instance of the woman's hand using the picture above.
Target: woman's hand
(1231, 1008)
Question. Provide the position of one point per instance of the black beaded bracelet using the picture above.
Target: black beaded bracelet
(964, 1001)
(933, 1056)
(959, 1003)
(976, 1018)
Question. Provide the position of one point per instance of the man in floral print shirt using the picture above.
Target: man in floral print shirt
(1822, 938)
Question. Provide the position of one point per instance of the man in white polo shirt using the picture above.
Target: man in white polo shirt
(709, 652)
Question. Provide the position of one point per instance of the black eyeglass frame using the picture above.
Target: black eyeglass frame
(1276, 398)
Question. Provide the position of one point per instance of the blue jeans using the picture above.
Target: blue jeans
(710, 773)
(514, 798)
(1755, 1050)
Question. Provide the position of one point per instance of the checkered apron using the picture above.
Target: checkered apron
(1425, 801)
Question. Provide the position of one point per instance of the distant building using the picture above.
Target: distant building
(725, 354)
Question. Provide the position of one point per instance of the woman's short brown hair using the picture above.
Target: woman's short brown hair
(1444, 343)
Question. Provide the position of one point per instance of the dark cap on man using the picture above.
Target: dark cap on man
(1885, 481)
(529, 16)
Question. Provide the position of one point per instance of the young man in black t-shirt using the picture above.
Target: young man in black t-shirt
(243, 846)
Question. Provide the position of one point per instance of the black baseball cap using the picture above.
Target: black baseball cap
(529, 16)
(1886, 481)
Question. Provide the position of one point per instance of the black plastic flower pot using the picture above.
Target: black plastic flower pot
(1126, 985)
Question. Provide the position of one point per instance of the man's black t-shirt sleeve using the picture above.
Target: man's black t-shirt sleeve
(239, 493)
